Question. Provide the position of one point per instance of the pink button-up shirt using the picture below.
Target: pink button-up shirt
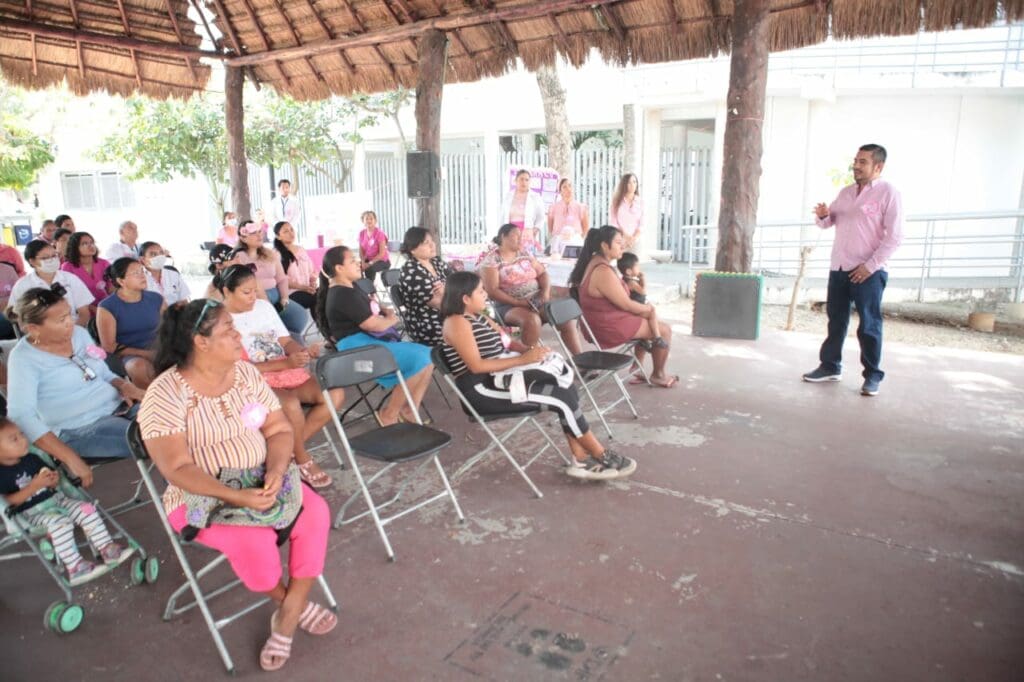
(628, 218)
(869, 225)
(570, 214)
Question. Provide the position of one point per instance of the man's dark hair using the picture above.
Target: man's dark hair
(877, 152)
(284, 181)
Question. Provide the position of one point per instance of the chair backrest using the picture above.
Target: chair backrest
(354, 366)
(437, 357)
(367, 286)
(562, 310)
(135, 444)
(397, 297)
(391, 277)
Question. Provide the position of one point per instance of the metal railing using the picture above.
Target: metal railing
(975, 250)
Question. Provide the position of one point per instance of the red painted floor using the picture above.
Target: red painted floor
(774, 530)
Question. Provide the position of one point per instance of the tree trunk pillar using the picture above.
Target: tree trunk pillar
(432, 53)
(741, 163)
(238, 168)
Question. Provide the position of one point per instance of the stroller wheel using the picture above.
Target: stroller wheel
(152, 569)
(46, 549)
(138, 571)
(63, 618)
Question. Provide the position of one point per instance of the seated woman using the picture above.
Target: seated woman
(127, 322)
(45, 272)
(162, 278)
(519, 287)
(60, 391)
(422, 284)
(345, 315)
(297, 265)
(209, 410)
(282, 361)
(82, 260)
(475, 348)
(270, 275)
(221, 256)
(612, 315)
(373, 247)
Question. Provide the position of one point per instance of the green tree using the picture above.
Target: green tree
(158, 140)
(22, 152)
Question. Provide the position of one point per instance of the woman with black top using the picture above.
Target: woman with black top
(347, 316)
(475, 348)
(422, 284)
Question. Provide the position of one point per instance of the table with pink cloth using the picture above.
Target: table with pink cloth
(558, 268)
(317, 256)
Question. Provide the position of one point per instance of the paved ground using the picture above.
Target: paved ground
(774, 531)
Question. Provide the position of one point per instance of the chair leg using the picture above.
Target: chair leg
(440, 390)
(597, 408)
(448, 487)
(332, 604)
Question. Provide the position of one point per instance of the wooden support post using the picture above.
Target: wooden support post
(741, 165)
(238, 168)
(432, 49)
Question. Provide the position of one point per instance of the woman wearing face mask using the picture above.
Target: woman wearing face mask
(46, 271)
(82, 260)
(159, 278)
(229, 230)
(270, 275)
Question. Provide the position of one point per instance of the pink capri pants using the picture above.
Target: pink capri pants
(253, 552)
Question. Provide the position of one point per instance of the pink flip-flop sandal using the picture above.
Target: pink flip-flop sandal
(317, 620)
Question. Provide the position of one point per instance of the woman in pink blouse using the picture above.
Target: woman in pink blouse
(627, 211)
(297, 265)
(82, 260)
(373, 247)
(270, 275)
(568, 219)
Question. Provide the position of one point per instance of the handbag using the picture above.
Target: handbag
(201, 510)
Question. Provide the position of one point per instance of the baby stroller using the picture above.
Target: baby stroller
(64, 616)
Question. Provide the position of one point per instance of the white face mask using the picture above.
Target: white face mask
(49, 265)
(157, 262)
(231, 222)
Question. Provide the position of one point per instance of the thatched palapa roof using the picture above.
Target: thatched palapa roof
(311, 49)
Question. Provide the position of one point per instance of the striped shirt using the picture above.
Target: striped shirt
(488, 343)
(213, 427)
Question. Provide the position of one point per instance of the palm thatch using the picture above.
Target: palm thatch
(311, 49)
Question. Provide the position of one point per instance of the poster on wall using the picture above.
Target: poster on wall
(336, 218)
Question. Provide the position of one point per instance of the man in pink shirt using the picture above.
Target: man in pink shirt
(868, 217)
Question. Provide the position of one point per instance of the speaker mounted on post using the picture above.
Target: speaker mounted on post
(422, 174)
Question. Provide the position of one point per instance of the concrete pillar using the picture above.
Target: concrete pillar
(649, 172)
(359, 168)
(494, 177)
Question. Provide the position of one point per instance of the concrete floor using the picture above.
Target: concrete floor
(774, 530)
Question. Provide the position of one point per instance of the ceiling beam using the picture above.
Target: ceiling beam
(450, 22)
(177, 32)
(330, 36)
(123, 42)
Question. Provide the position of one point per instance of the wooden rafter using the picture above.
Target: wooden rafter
(454, 33)
(78, 43)
(612, 21)
(32, 40)
(376, 48)
(266, 41)
(177, 32)
(330, 36)
(563, 39)
(447, 23)
(407, 10)
(131, 51)
(504, 36)
(675, 12)
(122, 42)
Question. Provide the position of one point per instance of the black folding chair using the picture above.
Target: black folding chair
(398, 298)
(602, 364)
(192, 577)
(390, 445)
(391, 278)
(522, 414)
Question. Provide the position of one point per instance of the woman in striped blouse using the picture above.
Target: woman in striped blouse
(475, 348)
(208, 410)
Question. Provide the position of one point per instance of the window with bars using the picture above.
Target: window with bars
(96, 190)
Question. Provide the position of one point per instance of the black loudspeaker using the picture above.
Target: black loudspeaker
(422, 174)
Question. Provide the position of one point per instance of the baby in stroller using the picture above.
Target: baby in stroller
(31, 489)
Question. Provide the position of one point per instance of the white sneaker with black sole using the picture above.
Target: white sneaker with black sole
(610, 465)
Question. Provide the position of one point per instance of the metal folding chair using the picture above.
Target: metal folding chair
(390, 445)
(522, 415)
(391, 278)
(605, 364)
(192, 577)
(398, 298)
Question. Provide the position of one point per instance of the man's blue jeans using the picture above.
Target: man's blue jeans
(867, 296)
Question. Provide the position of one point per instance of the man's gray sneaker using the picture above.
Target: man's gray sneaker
(870, 387)
(822, 374)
